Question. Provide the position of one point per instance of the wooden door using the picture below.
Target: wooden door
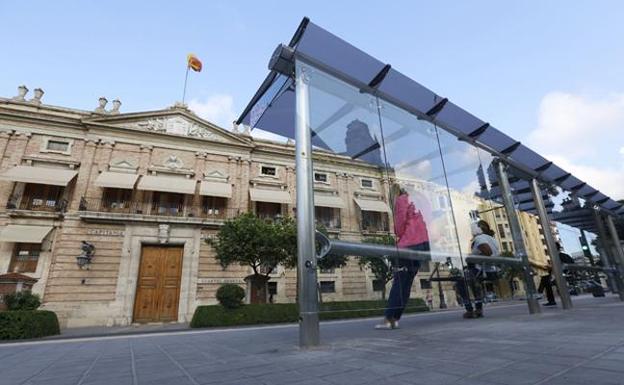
(158, 286)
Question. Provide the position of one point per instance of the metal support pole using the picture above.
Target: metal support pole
(516, 234)
(306, 254)
(614, 271)
(562, 285)
(619, 253)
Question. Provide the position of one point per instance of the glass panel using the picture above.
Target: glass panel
(396, 196)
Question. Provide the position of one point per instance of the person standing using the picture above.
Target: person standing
(483, 243)
(429, 299)
(411, 233)
(546, 281)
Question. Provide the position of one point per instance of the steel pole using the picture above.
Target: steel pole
(309, 335)
(617, 245)
(562, 285)
(614, 270)
(518, 240)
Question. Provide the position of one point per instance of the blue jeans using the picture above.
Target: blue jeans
(405, 271)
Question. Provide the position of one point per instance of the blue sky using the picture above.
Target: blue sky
(548, 73)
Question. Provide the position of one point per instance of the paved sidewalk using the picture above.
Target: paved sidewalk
(582, 346)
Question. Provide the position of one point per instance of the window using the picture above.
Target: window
(374, 221)
(41, 197)
(514, 285)
(328, 287)
(116, 199)
(442, 201)
(378, 285)
(25, 257)
(505, 247)
(272, 290)
(366, 183)
(320, 177)
(267, 170)
(328, 217)
(57, 145)
(425, 284)
(214, 206)
(501, 230)
(169, 204)
(268, 210)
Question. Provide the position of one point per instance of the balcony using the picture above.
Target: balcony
(138, 211)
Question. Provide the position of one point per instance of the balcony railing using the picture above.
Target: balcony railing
(38, 204)
(158, 209)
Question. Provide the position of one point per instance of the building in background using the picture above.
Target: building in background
(148, 189)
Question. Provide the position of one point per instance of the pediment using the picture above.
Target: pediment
(175, 121)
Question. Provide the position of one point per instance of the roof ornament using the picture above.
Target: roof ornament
(101, 108)
(21, 93)
(38, 95)
(116, 105)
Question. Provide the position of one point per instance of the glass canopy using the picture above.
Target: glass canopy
(273, 109)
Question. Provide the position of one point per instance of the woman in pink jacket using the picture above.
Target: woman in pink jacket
(411, 233)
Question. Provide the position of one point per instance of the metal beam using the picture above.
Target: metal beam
(516, 235)
(309, 334)
(605, 256)
(562, 285)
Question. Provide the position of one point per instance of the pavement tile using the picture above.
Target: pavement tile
(512, 377)
(353, 377)
(427, 377)
(606, 364)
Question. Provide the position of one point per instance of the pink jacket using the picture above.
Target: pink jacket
(409, 224)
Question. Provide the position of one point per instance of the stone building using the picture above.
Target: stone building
(147, 190)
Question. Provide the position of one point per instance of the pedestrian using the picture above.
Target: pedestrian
(429, 299)
(411, 232)
(483, 243)
(546, 281)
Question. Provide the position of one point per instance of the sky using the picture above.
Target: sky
(550, 74)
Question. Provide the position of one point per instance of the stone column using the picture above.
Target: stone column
(144, 162)
(86, 173)
(199, 168)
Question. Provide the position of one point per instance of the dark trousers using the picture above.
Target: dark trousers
(405, 271)
(472, 282)
(546, 285)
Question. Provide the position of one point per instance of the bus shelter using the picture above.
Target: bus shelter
(425, 155)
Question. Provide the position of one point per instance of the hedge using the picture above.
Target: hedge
(21, 324)
(217, 315)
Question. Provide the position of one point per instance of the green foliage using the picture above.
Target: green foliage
(23, 300)
(250, 241)
(380, 267)
(21, 324)
(230, 295)
(330, 261)
(214, 315)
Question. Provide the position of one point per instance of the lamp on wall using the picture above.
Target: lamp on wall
(86, 255)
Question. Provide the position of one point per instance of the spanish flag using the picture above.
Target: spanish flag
(194, 63)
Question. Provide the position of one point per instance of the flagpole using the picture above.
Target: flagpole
(185, 80)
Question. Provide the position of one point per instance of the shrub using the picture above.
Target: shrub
(23, 300)
(20, 324)
(215, 315)
(230, 295)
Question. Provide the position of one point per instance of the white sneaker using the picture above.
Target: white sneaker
(395, 325)
(384, 326)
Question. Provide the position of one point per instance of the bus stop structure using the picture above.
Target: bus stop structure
(524, 180)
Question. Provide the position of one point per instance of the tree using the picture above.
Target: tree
(263, 245)
(511, 272)
(380, 267)
(260, 244)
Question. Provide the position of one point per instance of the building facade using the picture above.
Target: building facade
(146, 191)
